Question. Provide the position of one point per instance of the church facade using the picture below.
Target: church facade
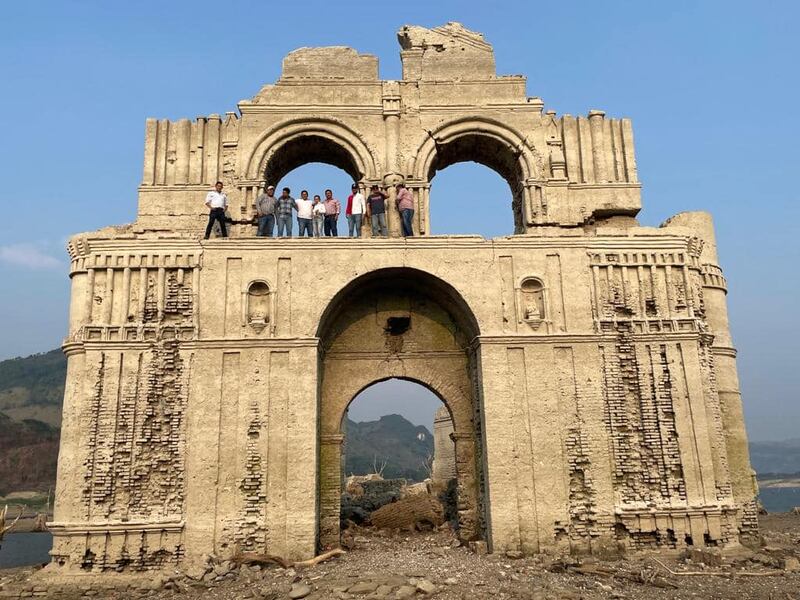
(585, 361)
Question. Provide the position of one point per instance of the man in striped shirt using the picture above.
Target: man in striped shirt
(283, 210)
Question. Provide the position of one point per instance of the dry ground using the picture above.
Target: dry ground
(431, 566)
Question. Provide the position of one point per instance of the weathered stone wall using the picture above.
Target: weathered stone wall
(587, 365)
(444, 456)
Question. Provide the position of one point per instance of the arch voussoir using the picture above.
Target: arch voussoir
(337, 133)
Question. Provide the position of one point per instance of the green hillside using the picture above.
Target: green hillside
(28, 455)
(33, 387)
(403, 446)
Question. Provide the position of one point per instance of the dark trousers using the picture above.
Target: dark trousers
(305, 226)
(266, 225)
(216, 214)
(331, 225)
(407, 215)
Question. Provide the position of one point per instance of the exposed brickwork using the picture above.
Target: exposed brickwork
(250, 532)
(157, 479)
(178, 298)
(641, 423)
(135, 464)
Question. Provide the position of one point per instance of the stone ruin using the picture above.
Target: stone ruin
(444, 456)
(586, 361)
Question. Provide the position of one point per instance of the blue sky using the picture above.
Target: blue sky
(712, 88)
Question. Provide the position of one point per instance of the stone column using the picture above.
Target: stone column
(150, 137)
(468, 523)
(71, 471)
(444, 463)
(330, 488)
(598, 147)
(211, 149)
(716, 315)
(78, 304)
(182, 143)
(196, 151)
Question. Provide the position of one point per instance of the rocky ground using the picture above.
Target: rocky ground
(432, 565)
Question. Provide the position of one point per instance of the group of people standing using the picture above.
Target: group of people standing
(316, 217)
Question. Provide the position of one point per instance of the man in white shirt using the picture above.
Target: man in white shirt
(356, 207)
(305, 213)
(217, 202)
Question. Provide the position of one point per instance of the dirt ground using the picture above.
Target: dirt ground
(431, 565)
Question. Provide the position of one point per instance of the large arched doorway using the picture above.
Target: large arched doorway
(401, 323)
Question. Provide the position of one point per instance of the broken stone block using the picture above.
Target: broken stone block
(363, 587)
(710, 558)
(411, 512)
(299, 590)
(791, 564)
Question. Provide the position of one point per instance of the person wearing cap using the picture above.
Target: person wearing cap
(332, 209)
(376, 210)
(405, 206)
(356, 207)
(217, 202)
(266, 207)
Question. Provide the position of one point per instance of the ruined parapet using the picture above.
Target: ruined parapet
(332, 62)
(448, 52)
(444, 450)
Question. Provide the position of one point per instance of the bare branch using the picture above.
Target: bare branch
(4, 516)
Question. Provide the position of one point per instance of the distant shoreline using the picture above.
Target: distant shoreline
(778, 482)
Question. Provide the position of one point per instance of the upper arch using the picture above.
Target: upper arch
(355, 157)
(422, 162)
(448, 296)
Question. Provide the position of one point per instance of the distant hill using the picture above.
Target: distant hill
(404, 447)
(33, 387)
(28, 455)
(776, 457)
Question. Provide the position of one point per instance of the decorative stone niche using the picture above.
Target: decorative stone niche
(532, 302)
(258, 306)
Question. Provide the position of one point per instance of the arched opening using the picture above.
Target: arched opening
(396, 446)
(406, 324)
(316, 178)
(468, 197)
(472, 202)
(305, 149)
(315, 163)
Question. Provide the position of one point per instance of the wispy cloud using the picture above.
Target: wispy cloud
(28, 255)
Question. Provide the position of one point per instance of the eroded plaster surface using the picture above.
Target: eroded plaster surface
(586, 361)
